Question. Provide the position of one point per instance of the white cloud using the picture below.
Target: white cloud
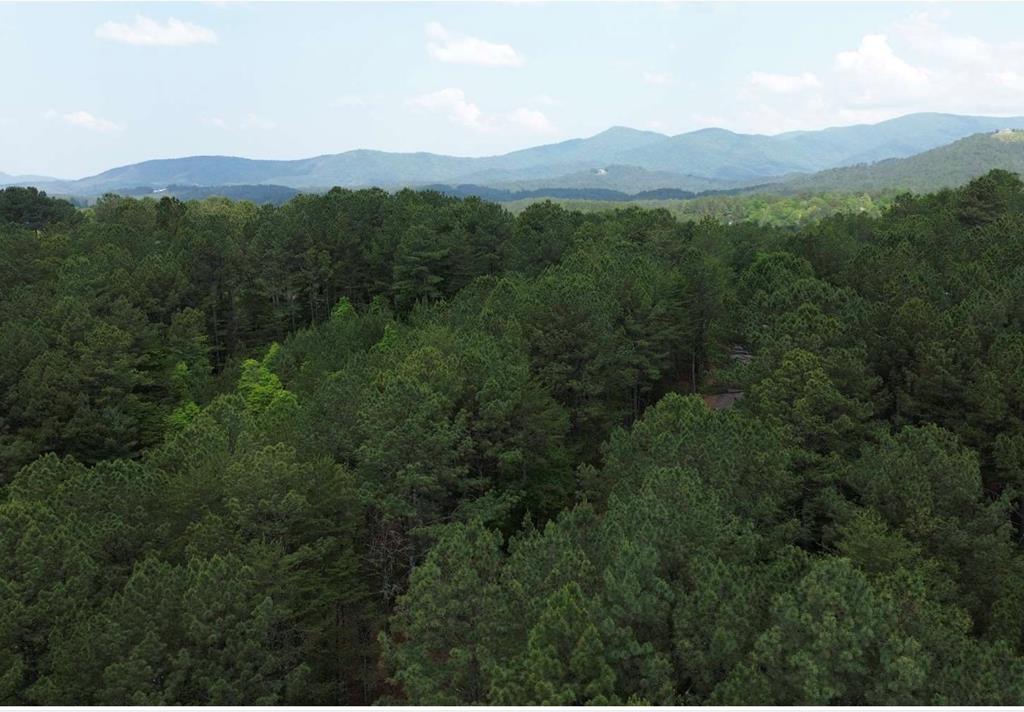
(215, 121)
(446, 46)
(968, 72)
(922, 63)
(83, 120)
(454, 104)
(658, 79)
(783, 83)
(950, 71)
(922, 33)
(531, 120)
(253, 121)
(881, 74)
(148, 32)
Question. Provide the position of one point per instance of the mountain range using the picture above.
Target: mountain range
(619, 159)
(6, 179)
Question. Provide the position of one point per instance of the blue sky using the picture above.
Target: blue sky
(91, 86)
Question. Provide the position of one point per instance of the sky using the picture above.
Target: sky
(90, 86)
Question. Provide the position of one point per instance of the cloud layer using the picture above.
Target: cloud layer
(454, 104)
(446, 46)
(914, 65)
(84, 120)
(144, 31)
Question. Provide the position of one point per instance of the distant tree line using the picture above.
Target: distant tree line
(505, 195)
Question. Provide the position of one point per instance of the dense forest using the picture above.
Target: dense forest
(760, 208)
(505, 195)
(411, 448)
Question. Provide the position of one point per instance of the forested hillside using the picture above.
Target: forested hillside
(943, 167)
(416, 449)
(762, 209)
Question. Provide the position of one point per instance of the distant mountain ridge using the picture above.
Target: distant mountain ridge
(618, 159)
(947, 166)
(6, 179)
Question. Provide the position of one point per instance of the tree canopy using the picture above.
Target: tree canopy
(416, 449)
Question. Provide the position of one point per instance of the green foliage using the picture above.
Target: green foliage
(406, 448)
(830, 640)
(944, 167)
(33, 209)
(762, 208)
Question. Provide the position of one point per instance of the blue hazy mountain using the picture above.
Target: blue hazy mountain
(6, 179)
(724, 155)
(707, 159)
